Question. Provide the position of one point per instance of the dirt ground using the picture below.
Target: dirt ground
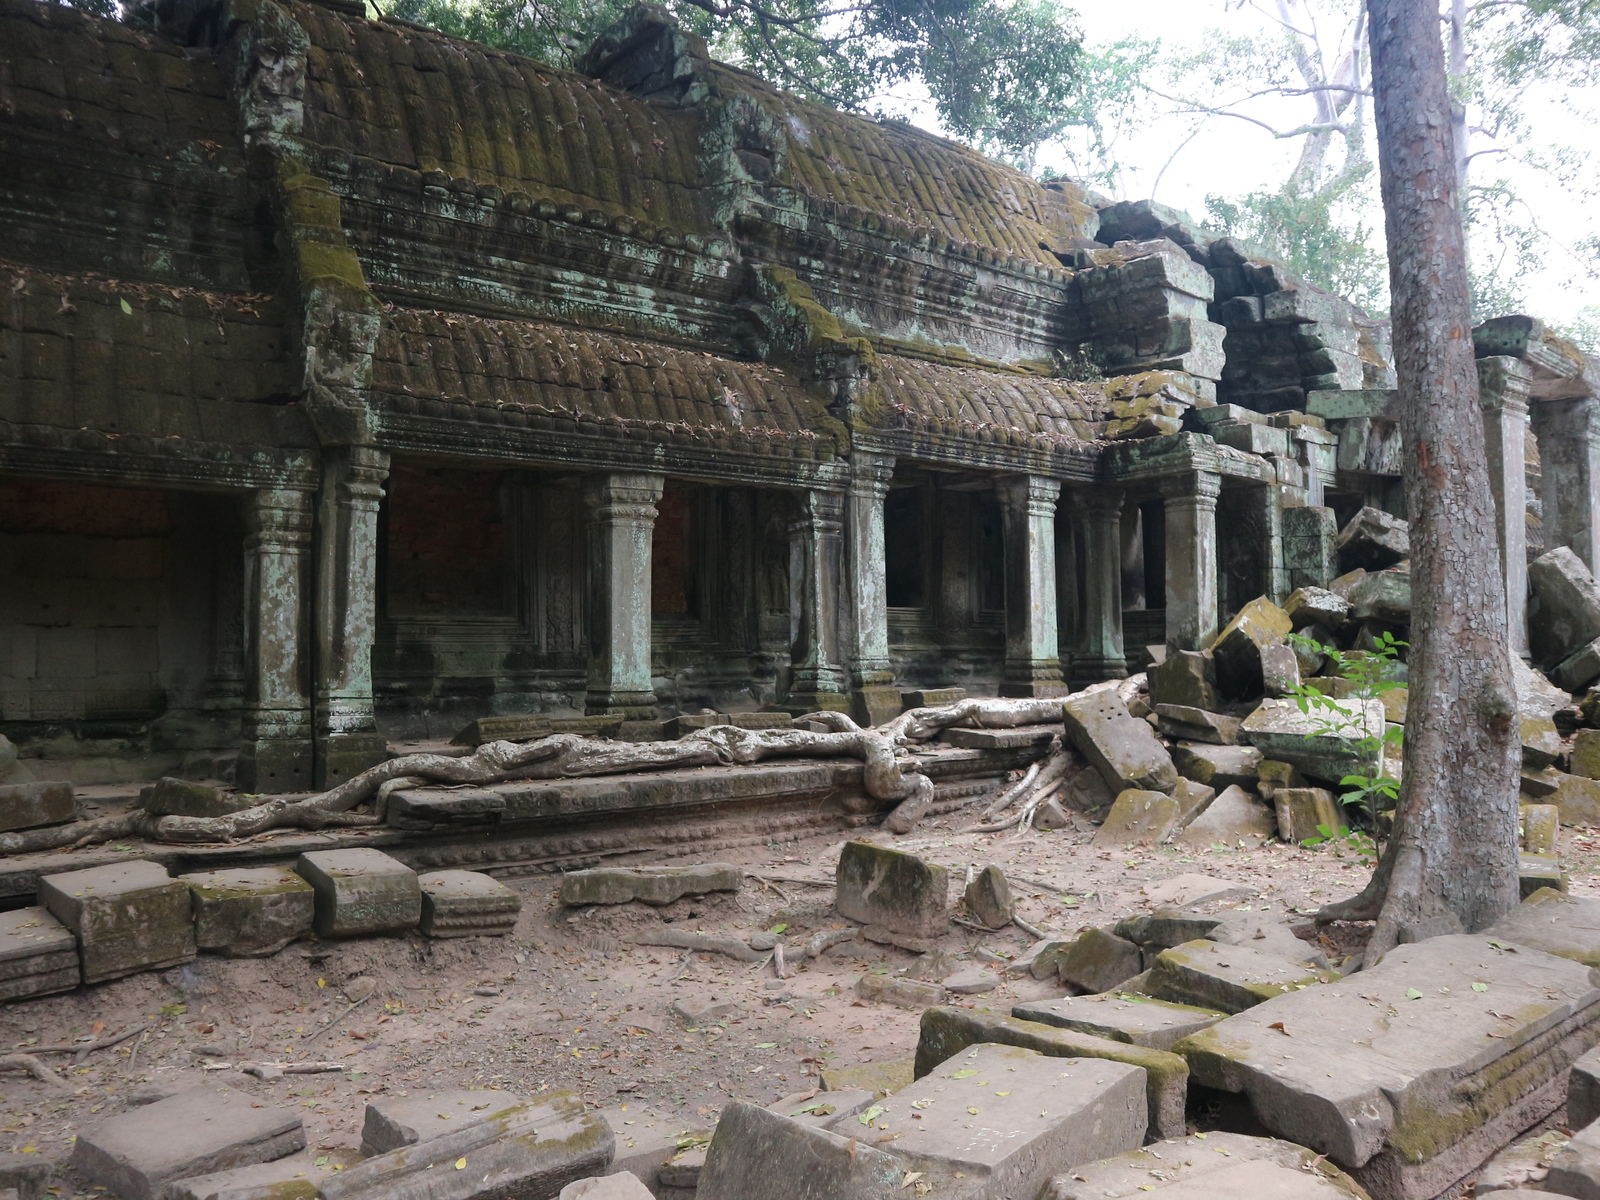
(563, 1004)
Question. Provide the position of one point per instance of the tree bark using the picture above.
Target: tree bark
(1451, 863)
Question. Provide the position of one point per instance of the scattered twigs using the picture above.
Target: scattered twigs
(1031, 930)
(82, 1049)
(686, 940)
(271, 1070)
(348, 1009)
(683, 965)
(790, 879)
(767, 882)
(34, 1067)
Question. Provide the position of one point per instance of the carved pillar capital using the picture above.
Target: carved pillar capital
(1034, 495)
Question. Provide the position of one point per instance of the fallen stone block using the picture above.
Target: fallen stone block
(1523, 1163)
(1186, 891)
(893, 890)
(1137, 1020)
(1373, 540)
(185, 798)
(423, 808)
(696, 1012)
(1541, 744)
(693, 939)
(1098, 960)
(1579, 669)
(1564, 606)
(1272, 774)
(1122, 748)
(1583, 1090)
(821, 1109)
(970, 981)
(1209, 1166)
(1023, 737)
(1585, 755)
(1383, 597)
(29, 805)
(395, 1121)
(360, 891)
(988, 898)
(1575, 1168)
(127, 917)
(1228, 978)
(879, 1078)
(1237, 649)
(647, 1138)
(1536, 872)
(524, 728)
(1217, 766)
(899, 991)
(1186, 677)
(620, 1185)
(1309, 606)
(946, 1032)
(1548, 920)
(652, 885)
(1406, 1075)
(296, 1177)
(752, 1147)
(1577, 799)
(1305, 813)
(1540, 785)
(1140, 816)
(199, 1131)
(682, 1170)
(466, 904)
(532, 1149)
(1182, 723)
(1280, 670)
(1233, 815)
(1000, 1120)
(1304, 739)
(248, 911)
(38, 954)
(1541, 827)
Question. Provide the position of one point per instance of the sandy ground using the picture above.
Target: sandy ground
(562, 1003)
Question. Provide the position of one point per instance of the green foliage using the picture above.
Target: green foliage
(1584, 330)
(1345, 839)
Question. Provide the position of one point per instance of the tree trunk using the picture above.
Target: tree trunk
(1451, 863)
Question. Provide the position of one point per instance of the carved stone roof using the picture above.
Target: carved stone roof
(991, 406)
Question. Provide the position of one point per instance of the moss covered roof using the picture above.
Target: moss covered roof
(992, 406)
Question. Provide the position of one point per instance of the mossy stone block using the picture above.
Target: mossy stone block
(29, 805)
(889, 888)
(1098, 960)
(243, 912)
(361, 891)
(127, 917)
(1227, 978)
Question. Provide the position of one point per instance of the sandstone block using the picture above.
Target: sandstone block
(1304, 739)
(8, 756)
(1575, 1169)
(1186, 677)
(38, 954)
(184, 798)
(524, 728)
(466, 904)
(1182, 723)
(532, 1149)
(1541, 827)
(197, 1132)
(1541, 744)
(1186, 891)
(1232, 815)
(1237, 649)
(360, 891)
(1585, 757)
(1023, 737)
(1217, 766)
(899, 991)
(395, 1121)
(247, 911)
(988, 897)
(1535, 872)
(1154, 1024)
(1564, 610)
(1280, 670)
(646, 1138)
(933, 697)
(821, 1109)
(1309, 606)
(893, 890)
(28, 805)
(1577, 798)
(1209, 1166)
(999, 1120)
(753, 1147)
(1383, 597)
(1139, 816)
(1405, 1075)
(653, 885)
(1123, 749)
(1521, 1163)
(620, 1185)
(1227, 978)
(1583, 1090)
(948, 1031)
(1565, 926)
(1098, 960)
(422, 808)
(1539, 785)
(1373, 540)
(695, 1012)
(296, 1177)
(1579, 669)
(879, 1078)
(1305, 812)
(127, 917)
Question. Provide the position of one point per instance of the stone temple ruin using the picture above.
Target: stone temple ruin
(531, 466)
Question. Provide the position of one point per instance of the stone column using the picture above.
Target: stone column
(873, 697)
(1028, 524)
(1098, 653)
(276, 754)
(817, 680)
(621, 511)
(1192, 601)
(1503, 385)
(1569, 457)
(348, 741)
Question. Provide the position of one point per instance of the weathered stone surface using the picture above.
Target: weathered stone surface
(1193, 799)
(1522, 1163)
(1140, 1021)
(1585, 756)
(1185, 891)
(1583, 1090)
(1119, 746)
(1577, 798)
(197, 1132)
(821, 1109)
(948, 1031)
(1169, 927)
(753, 1147)
(27, 805)
(694, 1012)
(1405, 1075)
(1098, 960)
(8, 756)
(532, 1149)
(899, 991)
(296, 1177)
(970, 981)
(1564, 608)
(127, 917)
(361, 891)
(1283, 733)
(1309, 606)
(1535, 872)
(38, 954)
(395, 1121)
(878, 886)
(1217, 766)
(1541, 744)
(1541, 827)
(1272, 774)
(646, 1138)
(1566, 926)
(879, 1078)
(1304, 812)
(185, 798)
(999, 1120)
(1237, 649)
(653, 885)
(1210, 1166)
(1579, 669)
(423, 808)
(620, 1185)
(1539, 785)
(245, 911)
(1373, 539)
(1575, 1169)
(1187, 677)
(1536, 695)
(1383, 597)
(466, 904)
(932, 697)
(1180, 722)
(1227, 978)
(989, 899)
(1020, 738)
(1280, 670)
(1232, 815)
(1140, 816)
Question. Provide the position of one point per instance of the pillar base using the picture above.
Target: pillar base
(1034, 690)
(875, 703)
(343, 756)
(1094, 670)
(797, 704)
(1040, 681)
(631, 706)
(274, 765)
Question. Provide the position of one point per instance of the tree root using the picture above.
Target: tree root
(30, 1064)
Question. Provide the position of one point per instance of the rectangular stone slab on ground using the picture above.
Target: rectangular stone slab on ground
(396, 1121)
(1575, 1169)
(361, 891)
(38, 954)
(1007, 1118)
(653, 885)
(1404, 1074)
(248, 911)
(756, 1153)
(948, 1031)
(1325, 742)
(197, 1132)
(1548, 920)
(1583, 1091)
(533, 1149)
(1230, 978)
(466, 904)
(29, 805)
(1155, 1024)
(647, 1137)
(296, 1177)
(127, 917)
(1167, 1166)
(879, 886)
